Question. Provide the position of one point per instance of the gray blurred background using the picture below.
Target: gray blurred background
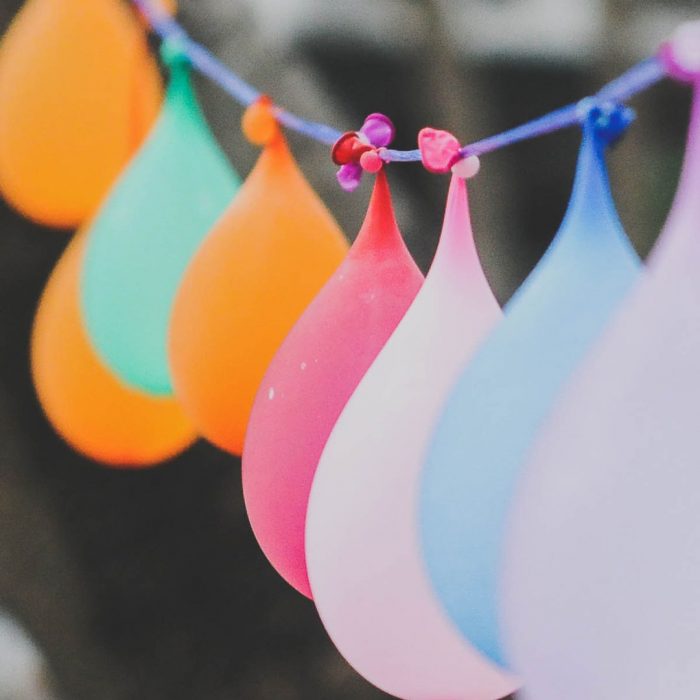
(149, 586)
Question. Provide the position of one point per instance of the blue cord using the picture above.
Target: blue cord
(638, 78)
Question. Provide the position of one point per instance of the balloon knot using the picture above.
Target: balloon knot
(441, 152)
(173, 52)
(681, 53)
(259, 122)
(359, 151)
(609, 119)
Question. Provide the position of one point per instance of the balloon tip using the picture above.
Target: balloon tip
(259, 122)
(681, 53)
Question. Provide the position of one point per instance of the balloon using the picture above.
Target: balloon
(507, 390)
(313, 375)
(89, 407)
(78, 93)
(256, 272)
(147, 231)
(364, 559)
(602, 572)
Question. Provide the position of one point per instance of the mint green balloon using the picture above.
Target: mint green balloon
(146, 232)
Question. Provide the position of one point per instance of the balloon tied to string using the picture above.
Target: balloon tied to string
(259, 123)
(362, 150)
(368, 148)
(681, 54)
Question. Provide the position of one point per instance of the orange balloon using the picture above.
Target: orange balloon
(78, 92)
(259, 268)
(87, 405)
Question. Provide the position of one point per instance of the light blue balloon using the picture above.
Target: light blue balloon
(146, 232)
(506, 392)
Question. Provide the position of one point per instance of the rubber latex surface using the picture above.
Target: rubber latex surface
(313, 375)
(78, 93)
(365, 564)
(505, 393)
(603, 568)
(145, 234)
(255, 274)
(86, 404)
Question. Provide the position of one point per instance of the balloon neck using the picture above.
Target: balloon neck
(260, 125)
(681, 53)
(380, 232)
(606, 121)
(456, 247)
(591, 196)
(174, 54)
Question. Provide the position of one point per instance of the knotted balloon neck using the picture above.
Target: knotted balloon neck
(180, 99)
(681, 54)
(681, 58)
(357, 151)
(591, 196)
(379, 233)
(174, 54)
(260, 125)
(456, 248)
(606, 120)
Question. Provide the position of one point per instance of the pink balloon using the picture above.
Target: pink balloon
(601, 590)
(363, 549)
(313, 375)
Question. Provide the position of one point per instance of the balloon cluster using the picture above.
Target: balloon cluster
(471, 496)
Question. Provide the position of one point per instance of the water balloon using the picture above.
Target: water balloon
(504, 394)
(601, 577)
(78, 93)
(313, 375)
(87, 405)
(365, 563)
(146, 232)
(259, 268)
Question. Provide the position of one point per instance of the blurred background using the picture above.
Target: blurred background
(149, 585)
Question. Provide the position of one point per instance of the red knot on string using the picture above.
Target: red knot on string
(357, 151)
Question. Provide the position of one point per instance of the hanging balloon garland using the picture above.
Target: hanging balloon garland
(386, 422)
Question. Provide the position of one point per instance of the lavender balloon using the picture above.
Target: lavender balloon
(602, 577)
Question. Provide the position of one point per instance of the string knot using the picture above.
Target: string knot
(357, 151)
(609, 119)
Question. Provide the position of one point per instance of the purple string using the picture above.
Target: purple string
(635, 80)
(638, 78)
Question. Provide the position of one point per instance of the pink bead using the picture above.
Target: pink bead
(467, 167)
(371, 162)
(681, 53)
